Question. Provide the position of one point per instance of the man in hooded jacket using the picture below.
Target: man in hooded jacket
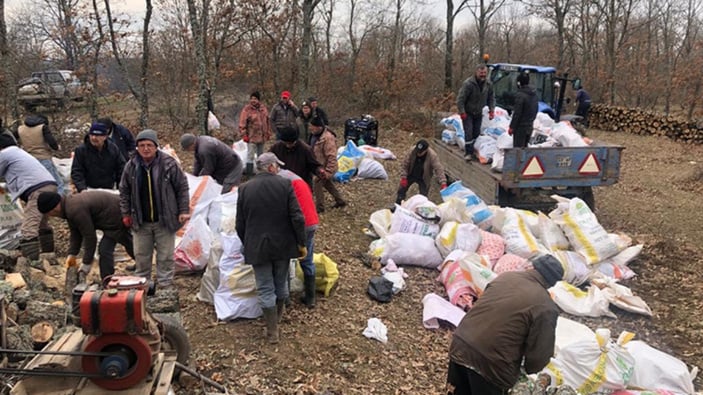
(524, 112)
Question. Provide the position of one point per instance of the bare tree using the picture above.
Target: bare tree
(555, 12)
(449, 42)
(304, 58)
(198, 25)
(7, 75)
(482, 12)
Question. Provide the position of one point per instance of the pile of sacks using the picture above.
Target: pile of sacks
(361, 162)
(494, 139)
(470, 244)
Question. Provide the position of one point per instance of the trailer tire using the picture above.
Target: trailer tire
(174, 337)
(589, 199)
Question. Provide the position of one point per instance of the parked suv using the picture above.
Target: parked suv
(50, 88)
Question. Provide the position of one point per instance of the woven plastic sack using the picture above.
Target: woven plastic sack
(492, 246)
(326, 273)
(455, 236)
(458, 289)
(519, 240)
(411, 249)
(511, 263)
(236, 295)
(192, 252)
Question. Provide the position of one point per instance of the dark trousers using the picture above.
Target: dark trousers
(424, 189)
(582, 111)
(472, 128)
(521, 135)
(106, 251)
(464, 381)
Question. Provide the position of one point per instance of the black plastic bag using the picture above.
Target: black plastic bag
(380, 289)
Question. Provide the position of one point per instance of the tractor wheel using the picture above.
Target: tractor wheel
(174, 337)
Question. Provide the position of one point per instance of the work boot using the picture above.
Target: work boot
(308, 298)
(320, 208)
(280, 308)
(249, 170)
(271, 319)
(46, 240)
(82, 277)
(339, 204)
(30, 249)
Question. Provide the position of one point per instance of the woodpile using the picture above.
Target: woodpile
(644, 122)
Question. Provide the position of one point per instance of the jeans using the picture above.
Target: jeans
(49, 165)
(271, 282)
(254, 150)
(106, 251)
(306, 263)
(150, 236)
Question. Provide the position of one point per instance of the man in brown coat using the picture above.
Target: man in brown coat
(512, 324)
(255, 129)
(85, 213)
(324, 145)
(419, 166)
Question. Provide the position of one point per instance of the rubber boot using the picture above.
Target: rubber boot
(30, 249)
(280, 308)
(271, 319)
(308, 298)
(249, 170)
(46, 240)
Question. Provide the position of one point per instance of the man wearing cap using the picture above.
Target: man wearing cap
(317, 111)
(513, 321)
(283, 114)
(120, 136)
(324, 145)
(419, 166)
(215, 159)
(85, 213)
(25, 179)
(154, 203)
(524, 112)
(255, 128)
(35, 137)
(475, 93)
(297, 155)
(271, 227)
(97, 163)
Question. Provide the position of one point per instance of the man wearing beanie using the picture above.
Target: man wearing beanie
(215, 159)
(25, 179)
(97, 163)
(297, 156)
(514, 319)
(524, 111)
(85, 213)
(154, 203)
(283, 114)
(255, 129)
(324, 145)
(120, 136)
(317, 111)
(419, 166)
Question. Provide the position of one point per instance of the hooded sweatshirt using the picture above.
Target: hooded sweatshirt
(525, 109)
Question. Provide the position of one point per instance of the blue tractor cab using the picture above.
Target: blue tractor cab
(543, 78)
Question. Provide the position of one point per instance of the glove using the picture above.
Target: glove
(71, 261)
(245, 138)
(510, 131)
(443, 187)
(463, 115)
(491, 114)
(127, 222)
(302, 252)
(322, 174)
(403, 182)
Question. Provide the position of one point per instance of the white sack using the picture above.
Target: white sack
(411, 249)
(436, 308)
(369, 168)
(406, 221)
(192, 252)
(10, 220)
(381, 222)
(375, 329)
(456, 236)
(211, 277)
(569, 332)
(519, 240)
(591, 303)
(657, 370)
(377, 152)
(236, 295)
(222, 214)
(241, 148)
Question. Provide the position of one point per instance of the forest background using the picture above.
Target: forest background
(392, 57)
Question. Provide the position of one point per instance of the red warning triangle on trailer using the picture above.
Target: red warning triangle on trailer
(590, 165)
(533, 169)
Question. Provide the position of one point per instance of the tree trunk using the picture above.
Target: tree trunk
(7, 76)
(449, 47)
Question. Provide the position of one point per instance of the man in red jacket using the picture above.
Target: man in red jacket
(307, 206)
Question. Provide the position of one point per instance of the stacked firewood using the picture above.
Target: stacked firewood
(644, 122)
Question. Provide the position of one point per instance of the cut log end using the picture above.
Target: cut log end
(42, 332)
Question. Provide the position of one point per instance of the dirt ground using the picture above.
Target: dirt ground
(657, 203)
(322, 351)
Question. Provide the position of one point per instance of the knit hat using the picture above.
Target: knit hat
(550, 268)
(256, 94)
(47, 201)
(289, 134)
(285, 95)
(312, 99)
(317, 121)
(422, 145)
(523, 79)
(99, 129)
(187, 140)
(266, 159)
(7, 140)
(148, 134)
(106, 121)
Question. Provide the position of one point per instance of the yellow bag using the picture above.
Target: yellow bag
(326, 273)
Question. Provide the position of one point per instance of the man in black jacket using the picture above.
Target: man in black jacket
(121, 136)
(475, 93)
(297, 155)
(271, 227)
(97, 163)
(524, 112)
(215, 159)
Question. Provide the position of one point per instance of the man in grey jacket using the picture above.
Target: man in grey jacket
(475, 93)
(25, 179)
(271, 227)
(215, 159)
(154, 202)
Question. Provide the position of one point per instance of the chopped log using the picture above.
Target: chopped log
(42, 332)
(37, 311)
(16, 280)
